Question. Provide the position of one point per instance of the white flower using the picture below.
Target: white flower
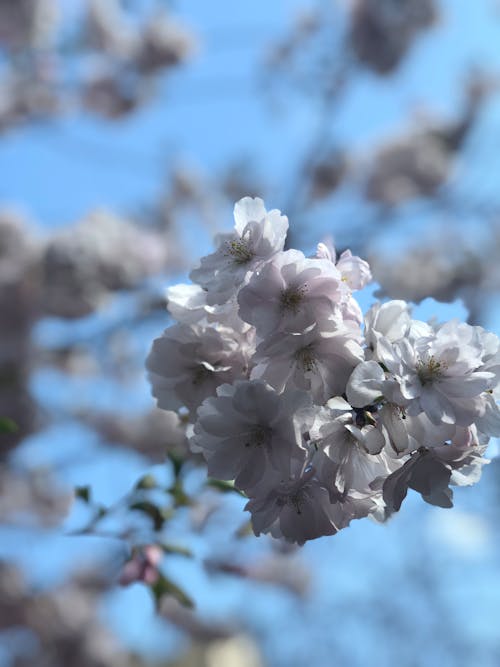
(248, 430)
(320, 360)
(350, 448)
(441, 374)
(366, 384)
(188, 362)
(407, 433)
(354, 270)
(472, 445)
(290, 293)
(355, 274)
(430, 471)
(421, 397)
(188, 305)
(258, 235)
(425, 473)
(389, 320)
(297, 508)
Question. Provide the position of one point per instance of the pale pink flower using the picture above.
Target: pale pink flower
(320, 360)
(290, 293)
(248, 428)
(143, 566)
(188, 362)
(258, 236)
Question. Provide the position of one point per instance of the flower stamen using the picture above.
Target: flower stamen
(239, 250)
(306, 358)
(292, 297)
(430, 369)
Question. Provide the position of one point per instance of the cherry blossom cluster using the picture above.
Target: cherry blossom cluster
(318, 414)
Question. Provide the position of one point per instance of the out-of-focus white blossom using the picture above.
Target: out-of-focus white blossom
(382, 31)
(102, 253)
(28, 24)
(164, 42)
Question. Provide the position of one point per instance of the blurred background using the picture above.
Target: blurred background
(127, 132)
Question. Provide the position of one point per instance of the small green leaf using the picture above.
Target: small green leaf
(244, 530)
(225, 487)
(157, 515)
(164, 586)
(8, 425)
(177, 463)
(146, 482)
(101, 512)
(83, 492)
(176, 550)
(181, 499)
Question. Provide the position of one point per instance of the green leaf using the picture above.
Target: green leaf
(164, 586)
(176, 550)
(177, 463)
(181, 499)
(83, 492)
(8, 425)
(244, 530)
(101, 512)
(156, 514)
(225, 487)
(147, 482)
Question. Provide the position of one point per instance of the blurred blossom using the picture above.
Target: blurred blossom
(414, 166)
(32, 496)
(467, 533)
(238, 651)
(107, 29)
(382, 31)
(19, 297)
(444, 265)
(153, 434)
(25, 96)
(65, 622)
(109, 95)
(419, 163)
(275, 569)
(118, 60)
(213, 643)
(27, 24)
(18, 256)
(143, 566)
(164, 43)
(102, 253)
(327, 174)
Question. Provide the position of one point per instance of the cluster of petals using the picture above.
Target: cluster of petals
(318, 415)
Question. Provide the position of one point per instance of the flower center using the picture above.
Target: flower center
(430, 369)
(201, 374)
(306, 358)
(294, 500)
(240, 250)
(292, 297)
(259, 436)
